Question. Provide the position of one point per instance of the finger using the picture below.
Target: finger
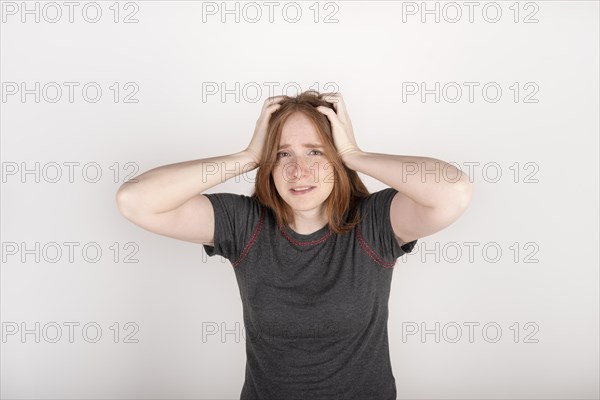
(336, 99)
(273, 99)
(272, 107)
(330, 97)
(267, 112)
(332, 94)
(328, 112)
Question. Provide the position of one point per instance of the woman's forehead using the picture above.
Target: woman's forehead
(299, 134)
(300, 140)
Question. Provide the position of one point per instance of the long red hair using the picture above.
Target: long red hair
(348, 188)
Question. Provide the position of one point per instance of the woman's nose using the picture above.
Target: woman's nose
(301, 167)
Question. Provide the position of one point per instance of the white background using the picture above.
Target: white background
(549, 210)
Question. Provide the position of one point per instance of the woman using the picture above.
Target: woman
(313, 251)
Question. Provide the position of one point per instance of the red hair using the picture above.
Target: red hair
(348, 188)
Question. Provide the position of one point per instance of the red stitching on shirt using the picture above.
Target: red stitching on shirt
(361, 240)
(308, 243)
(252, 239)
(370, 252)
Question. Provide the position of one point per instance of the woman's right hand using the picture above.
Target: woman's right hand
(260, 132)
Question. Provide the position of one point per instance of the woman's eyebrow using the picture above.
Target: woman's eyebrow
(284, 146)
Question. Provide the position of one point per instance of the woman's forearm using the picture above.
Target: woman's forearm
(428, 181)
(167, 187)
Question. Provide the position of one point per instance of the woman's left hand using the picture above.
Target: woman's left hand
(343, 134)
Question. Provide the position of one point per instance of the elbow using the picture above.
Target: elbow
(465, 193)
(124, 201)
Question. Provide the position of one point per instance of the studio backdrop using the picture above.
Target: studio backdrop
(501, 304)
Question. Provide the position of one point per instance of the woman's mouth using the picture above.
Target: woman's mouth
(301, 190)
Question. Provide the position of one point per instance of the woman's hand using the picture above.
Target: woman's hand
(255, 148)
(343, 134)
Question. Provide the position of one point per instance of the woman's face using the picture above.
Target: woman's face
(301, 162)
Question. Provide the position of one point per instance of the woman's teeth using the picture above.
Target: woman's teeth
(303, 190)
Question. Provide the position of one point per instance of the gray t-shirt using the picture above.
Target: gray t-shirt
(315, 306)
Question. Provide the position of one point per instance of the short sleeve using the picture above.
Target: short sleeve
(236, 218)
(376, 226)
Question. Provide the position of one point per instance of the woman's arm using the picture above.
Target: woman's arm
(165, 188)
(168, 200)
(432, 193)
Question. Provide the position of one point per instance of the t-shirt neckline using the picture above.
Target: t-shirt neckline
(315, 236)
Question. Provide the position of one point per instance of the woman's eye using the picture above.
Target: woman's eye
(280, 154)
